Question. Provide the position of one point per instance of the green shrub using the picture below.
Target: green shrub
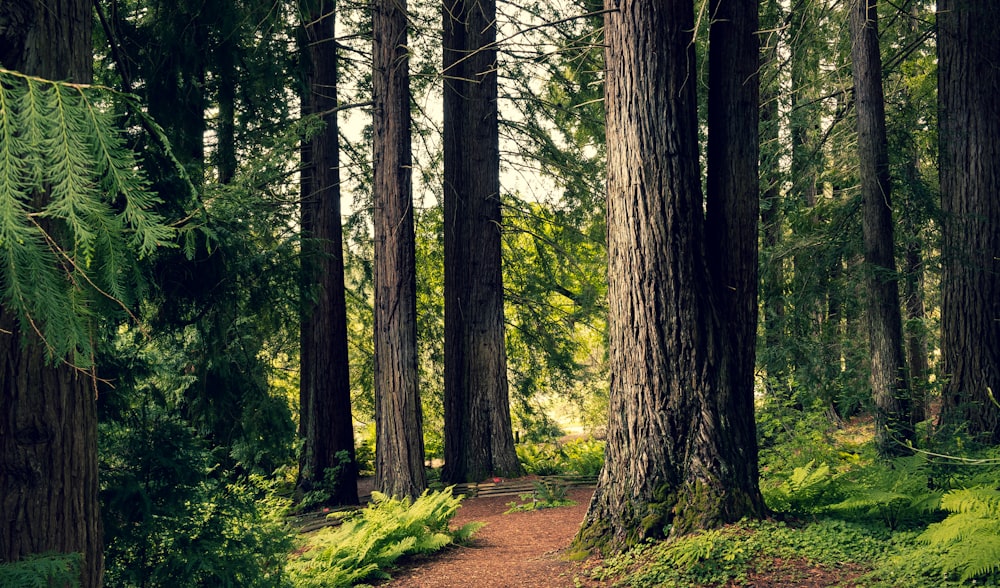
(366, 545)
(579, 457)
(171, 519)
(583, 457)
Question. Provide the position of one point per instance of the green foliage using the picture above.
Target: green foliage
(896, 493)
(966, 543)
(172, 519)
(42, 570)
(579, 457)
(75, 212)
(328, 485)
(809, 488)
(545, 495)
(365, 546)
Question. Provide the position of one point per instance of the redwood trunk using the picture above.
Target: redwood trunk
(969, 102)
(478, 440)
(890, 389)
(668, 459)
(48, 416)
(732, 222)
(399, 453)
(325, 425)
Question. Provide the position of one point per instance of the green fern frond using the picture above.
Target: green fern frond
(968, 540)
(980, 501)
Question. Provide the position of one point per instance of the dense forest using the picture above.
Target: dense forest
(738, 261)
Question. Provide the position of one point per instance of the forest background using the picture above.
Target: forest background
(191, 330)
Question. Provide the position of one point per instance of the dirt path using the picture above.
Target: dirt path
(517, 550)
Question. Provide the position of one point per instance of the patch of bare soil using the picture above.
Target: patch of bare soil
(517, 550)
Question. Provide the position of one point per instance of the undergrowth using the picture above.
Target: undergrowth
(929, 519)
(365, 546)
(579, 457)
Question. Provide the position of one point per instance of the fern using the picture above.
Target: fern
(41, 571)
(365, 546)
(896, 494)
(807, 489)
(76, 211)
(970, 536)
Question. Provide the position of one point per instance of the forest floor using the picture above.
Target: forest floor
(529, 550)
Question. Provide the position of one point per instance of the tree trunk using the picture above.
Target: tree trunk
(668, 459)
(48, 415)
(478, 440)
(890, 389)
(773, 274)
(969, 124)
(399, 450)
(732, 222)
(326, 425)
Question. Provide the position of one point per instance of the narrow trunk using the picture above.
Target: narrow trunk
(326, 425)
(968, 101)
(48, 415)
(772, 268)
(399, 450)
(890, 390)
(478, 440)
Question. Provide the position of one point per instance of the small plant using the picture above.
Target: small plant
(365, 546)
(809, 488)
(545, 495)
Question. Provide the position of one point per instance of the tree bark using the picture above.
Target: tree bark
(732, 223)
(478, 440)
(969, 124)
(773, 273)
(48, 414)
(326, 425)
(890, 388)
(399, 452)
(669, 466)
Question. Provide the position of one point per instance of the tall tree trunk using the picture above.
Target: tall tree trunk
(732, 222)
(668, 458)
(478, 440)
(326, 426)
(969, 124)
(48, 414)
(399, 449)
(890, 389)
(772, 269)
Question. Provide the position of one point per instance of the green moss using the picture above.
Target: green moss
(698, 506)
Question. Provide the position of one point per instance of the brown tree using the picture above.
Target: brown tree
(890, 388)
(48, 416)
(969, 124)
(399, 453)
(679, 455)
(325, 422)
(478, 441)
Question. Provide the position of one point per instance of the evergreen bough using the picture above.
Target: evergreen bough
(76, 211)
